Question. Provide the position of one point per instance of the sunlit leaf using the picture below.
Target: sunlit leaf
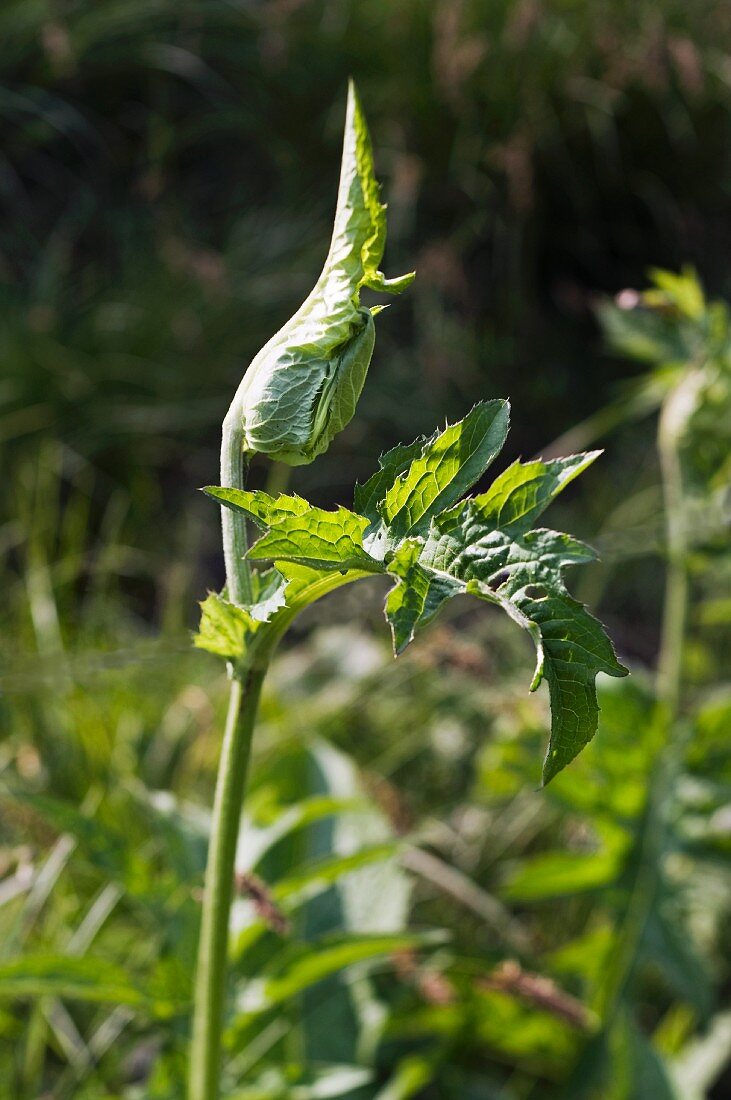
(416, 599)
(448, 465)
(417, 528)
(225, 628)
(319, 539)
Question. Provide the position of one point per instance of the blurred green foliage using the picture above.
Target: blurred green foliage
(167, 176)
(169, 171)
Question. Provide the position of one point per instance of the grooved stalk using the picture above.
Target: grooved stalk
(210, 985)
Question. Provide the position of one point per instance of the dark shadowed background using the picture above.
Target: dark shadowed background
(168, 173)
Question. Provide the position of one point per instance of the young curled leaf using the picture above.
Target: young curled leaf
(302, 388)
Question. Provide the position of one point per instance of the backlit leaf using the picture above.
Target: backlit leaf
(318, 538)
(448, 465)
(225, 628)
(416, 528)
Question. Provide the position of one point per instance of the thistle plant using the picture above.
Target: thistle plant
(411, 521)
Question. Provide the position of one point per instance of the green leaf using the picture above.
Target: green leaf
(258, 505)
(368, 496)
(449, 464)
(315, 878)
(482, 546)
(668, 944)
(416, 528)
(371, 252)
(572, 648)
(410, 1078)
(416, 599)
(225, 628)
(300, 533)
(519, 495)
(563, 874)
(316, 962)
(318, 538)
(634, 1069)
(683, 291)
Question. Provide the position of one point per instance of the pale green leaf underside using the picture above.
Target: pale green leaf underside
(318, 538)
(257, 505)
(436, 546)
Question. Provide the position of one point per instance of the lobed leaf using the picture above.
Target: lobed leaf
(299, 532)
(482, 547)
(524, 575)
(368, 496)
(416, 528)
(258, 505)
(573, 648)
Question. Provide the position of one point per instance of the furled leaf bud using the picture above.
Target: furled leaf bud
(302, 387)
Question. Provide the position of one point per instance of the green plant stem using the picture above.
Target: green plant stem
(234, 470)
(210, 984)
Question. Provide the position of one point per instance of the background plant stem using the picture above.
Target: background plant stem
(668, 751)
(673, 418)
